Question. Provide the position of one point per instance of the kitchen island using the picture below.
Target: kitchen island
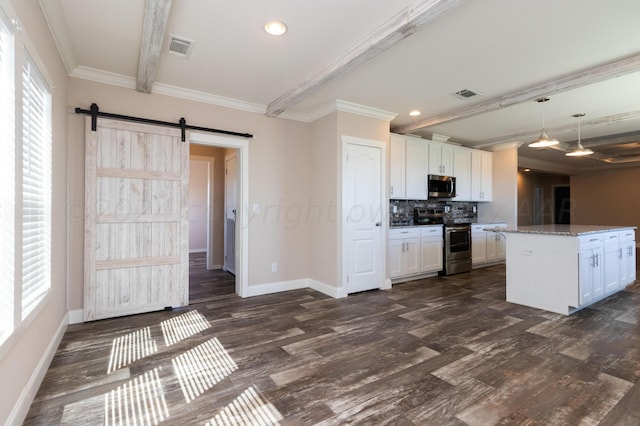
(563, 268)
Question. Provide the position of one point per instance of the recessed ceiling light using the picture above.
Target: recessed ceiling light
(275, 28)
(414, 113)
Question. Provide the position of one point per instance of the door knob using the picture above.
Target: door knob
(378, 223)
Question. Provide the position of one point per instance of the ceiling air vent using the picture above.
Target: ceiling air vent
(466, 93)
(180, 46)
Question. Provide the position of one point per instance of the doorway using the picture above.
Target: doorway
(562, 204)
(202, 269)
(207, 279)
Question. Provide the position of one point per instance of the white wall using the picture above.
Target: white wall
(198, 204)
(25, 357)
(279, 176)
(504, 207)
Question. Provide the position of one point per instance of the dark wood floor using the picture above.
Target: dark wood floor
(439, 351)
(208, 285)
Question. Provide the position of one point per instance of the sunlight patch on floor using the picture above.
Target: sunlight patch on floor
(200, 368)
(140, 401)
(130, 348)
(183, 326)
(247, 409)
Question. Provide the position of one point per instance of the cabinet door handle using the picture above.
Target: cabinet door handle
(391, 190)
(620, 253)
(597, 259)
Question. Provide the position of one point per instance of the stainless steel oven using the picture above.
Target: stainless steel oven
(457, 249)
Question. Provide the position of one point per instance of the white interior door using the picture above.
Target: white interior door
(136, 219)
(364, 216)
(231, 210)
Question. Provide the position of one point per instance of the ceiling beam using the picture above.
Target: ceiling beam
(575, 80)
(156, 15)
(399, 27)
(530, 135)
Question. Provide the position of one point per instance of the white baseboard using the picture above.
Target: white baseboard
(334, 292)
(276, 287)
(386, 285)
(76, 316)
(22, 405)
(216, 267)
(204, 250)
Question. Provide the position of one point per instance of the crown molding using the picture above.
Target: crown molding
(504, 146)
(92, 74)
(105, 77)
(207, 98)
(365, 111)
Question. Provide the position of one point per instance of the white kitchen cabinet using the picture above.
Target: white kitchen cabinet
(501, 245)
(611, 263)
(487, 247)
(408, 164)
(561, 268)
(481, 175)
(440, 159)
(591, 277)
(404, 252)
(462, 173)
(431, 243)
(397, 178)
(627, 257)
(417, 155)
(478, 245)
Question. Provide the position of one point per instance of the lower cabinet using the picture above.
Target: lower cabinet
(607, 264)
(414, 251)
(431, 249)
(404, 252)
(487, 247)
(590, 275)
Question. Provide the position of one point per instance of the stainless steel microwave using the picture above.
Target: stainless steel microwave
(441, 186)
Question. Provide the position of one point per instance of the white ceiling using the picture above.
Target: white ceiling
(499, 48)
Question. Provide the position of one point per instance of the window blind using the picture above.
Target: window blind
(7, 179)
(36, 187)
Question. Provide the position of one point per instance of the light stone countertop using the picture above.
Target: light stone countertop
(568, 230)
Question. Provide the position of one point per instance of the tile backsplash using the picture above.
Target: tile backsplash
(401, 211)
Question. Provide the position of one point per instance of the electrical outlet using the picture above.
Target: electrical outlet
(274, 267)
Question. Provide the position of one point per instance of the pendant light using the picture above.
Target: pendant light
(543, 140)
(580, 150)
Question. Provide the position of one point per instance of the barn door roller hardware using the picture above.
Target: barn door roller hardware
(94, 112)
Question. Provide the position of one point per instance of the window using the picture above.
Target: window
(25, 181)
(7, 178)
(36, 187)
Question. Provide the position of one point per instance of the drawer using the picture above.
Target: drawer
(431, 231)
(404, 233)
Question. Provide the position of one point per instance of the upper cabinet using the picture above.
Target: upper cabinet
(408, 163)
(412, 159)
(416, 168)
(481, 175)
(440, 159)
(397, 152)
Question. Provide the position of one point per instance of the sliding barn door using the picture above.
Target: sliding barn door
(136, 223)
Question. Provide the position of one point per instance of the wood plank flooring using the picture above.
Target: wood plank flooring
(208, 285)
(438, 351)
